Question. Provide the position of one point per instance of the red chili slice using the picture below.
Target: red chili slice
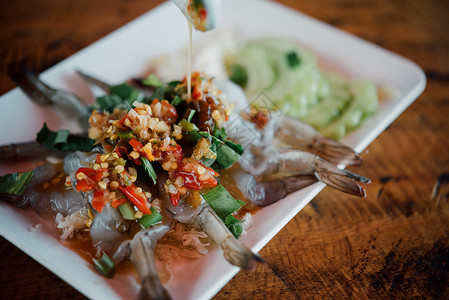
(191, 179)
(99, 200)
(136, 144)
(118, 202)
(175, 198)
(92, 177)
(137, 199)
(121, 152)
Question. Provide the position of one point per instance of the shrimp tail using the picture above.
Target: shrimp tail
(268, 192)
(105, 87)
(357, 177)
(31, 85)
(300, 135)
(341, 182)
(337, 153)
(233, 251)
(40, 93)
(142, 256)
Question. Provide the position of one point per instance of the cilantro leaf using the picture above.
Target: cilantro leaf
(15, 183)
(109, 102)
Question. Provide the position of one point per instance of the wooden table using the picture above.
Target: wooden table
(394, 243)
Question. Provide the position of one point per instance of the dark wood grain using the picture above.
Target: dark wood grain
(393, 244)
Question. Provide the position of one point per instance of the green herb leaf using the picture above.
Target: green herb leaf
(15, 183)
(221, 134)
(228, 152)
(197, 4)
(149, 169)
(122, 95)
(109, 102)
(62, 136)
(176, 100)
(210, 137)
(159, 93)
(174, 83)
(293, 59)
(207, 162)
(153, 80)
(105, 266)
(62, 140)
(234, 146)
(127, 93)
(149, 220)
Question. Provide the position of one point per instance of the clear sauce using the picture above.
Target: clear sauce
(189, 59)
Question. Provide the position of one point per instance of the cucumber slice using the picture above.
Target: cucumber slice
(332, 103)
(363, 104)
(259, 71)
(289, 75)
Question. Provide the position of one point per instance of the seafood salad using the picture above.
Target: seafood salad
(166, 168)
(157, 162)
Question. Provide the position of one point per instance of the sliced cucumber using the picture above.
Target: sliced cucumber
(363, 104)
(289, 75)
(254, 60)
(332, 103)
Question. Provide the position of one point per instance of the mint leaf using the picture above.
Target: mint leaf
(62, 140)
(15, 183)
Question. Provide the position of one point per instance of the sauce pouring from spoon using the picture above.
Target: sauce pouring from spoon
(201, 15)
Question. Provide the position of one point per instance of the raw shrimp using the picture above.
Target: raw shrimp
(40, 175)
(140, 251)
(268, 162)
(204, 218)
(69, 104)
(26, 150)
(268, 192)
(109, 229)
(47, 203)
(284, 129)
(300, 135)
(142, 256)
(278, 163)
(73, 107)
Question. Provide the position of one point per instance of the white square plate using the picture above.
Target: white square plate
(126, 53)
